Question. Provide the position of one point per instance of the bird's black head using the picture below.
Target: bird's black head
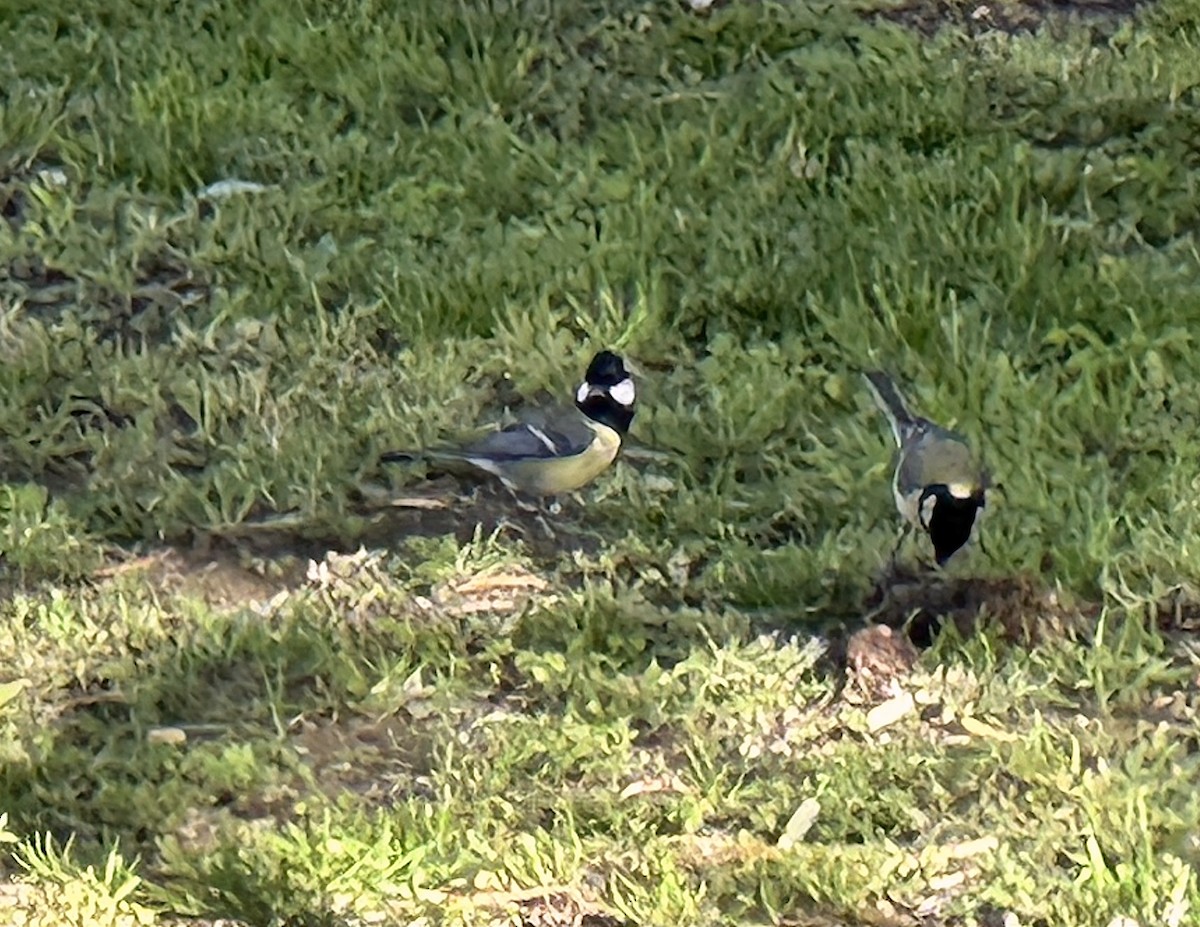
(607, 393)
(947, 515)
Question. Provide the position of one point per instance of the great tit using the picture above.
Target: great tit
(939, 484)
(551, 454)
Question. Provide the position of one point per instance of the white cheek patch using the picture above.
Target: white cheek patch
(961, 490)
(624, 392)
(927, 511)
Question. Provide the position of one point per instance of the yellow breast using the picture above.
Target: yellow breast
(566, 474)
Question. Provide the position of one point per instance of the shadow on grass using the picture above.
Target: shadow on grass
(256, 697)
(266, 703)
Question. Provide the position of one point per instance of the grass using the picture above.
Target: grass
(241, 685)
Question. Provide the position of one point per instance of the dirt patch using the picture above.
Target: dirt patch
(221, 579)
(256, 560)
(204, 922)
(557, 907)
(1178, 612)
(979, 16)
(435, 508)
(380, 760)
(1010, 16)
(878, 658)
(1023, 608)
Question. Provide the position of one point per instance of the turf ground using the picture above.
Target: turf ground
(251, 675)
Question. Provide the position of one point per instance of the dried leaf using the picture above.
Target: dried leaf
(888, 713)
(799, 823)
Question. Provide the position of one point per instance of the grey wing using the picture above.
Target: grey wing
(933, 454)
(914, 431)
(542, 438)
(910, 470)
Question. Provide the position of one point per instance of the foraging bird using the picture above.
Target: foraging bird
(554, 454)
(939, 484)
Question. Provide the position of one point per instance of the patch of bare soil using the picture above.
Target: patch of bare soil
(549, 906)
(205, 922)
(1023, 608)
(221, 579)
(1178, 612)
(979, 16)
(434, 508)
(380, 760)
(256, 560)
(878, 658)
(1010, 16)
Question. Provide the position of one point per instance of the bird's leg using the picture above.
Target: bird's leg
(504, 522)
(538, 509)
(901, 536)
(524, 506)
(552, 507)
(545, 526)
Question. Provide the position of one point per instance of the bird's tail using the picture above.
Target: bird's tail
(405, 456)
(427, 455)
(892, 404)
